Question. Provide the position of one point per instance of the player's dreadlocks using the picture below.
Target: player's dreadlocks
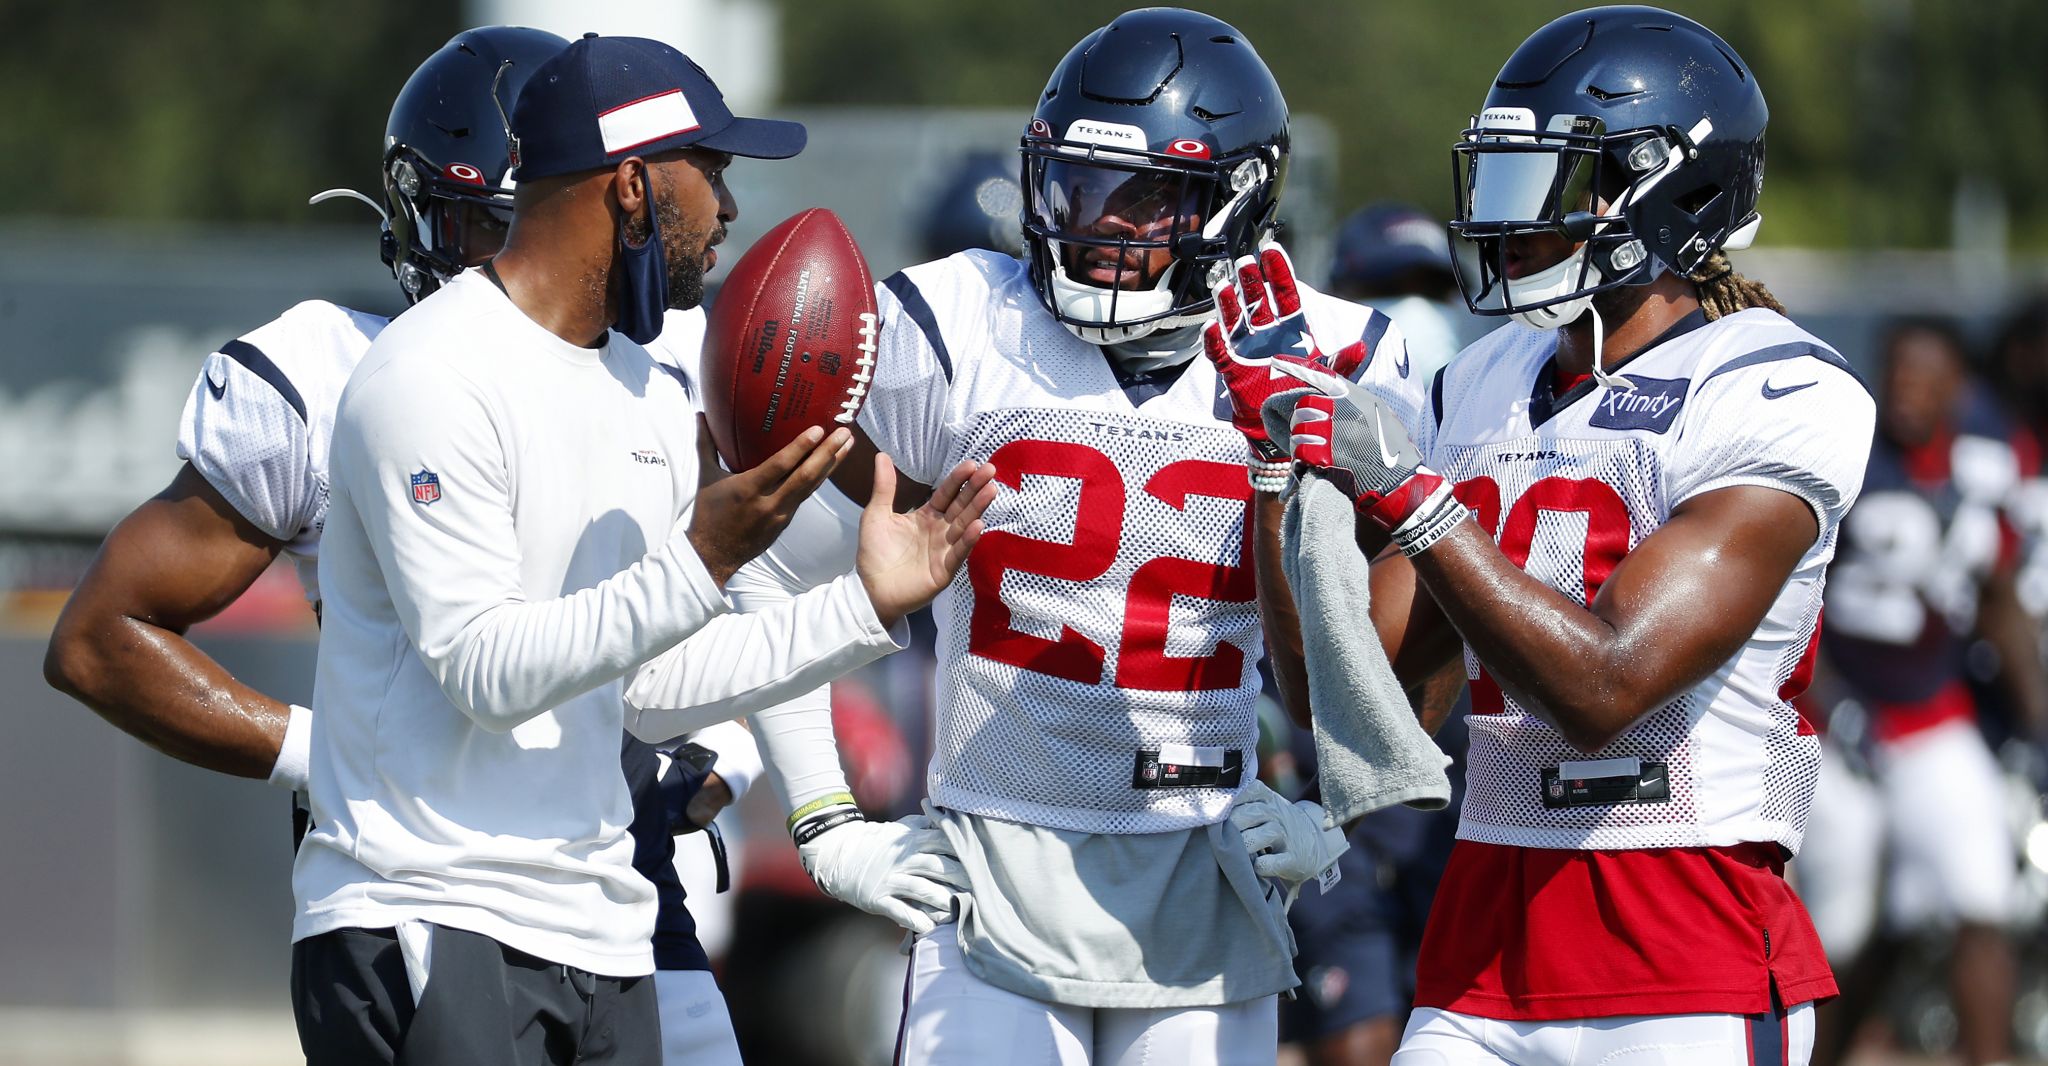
(1724, 292)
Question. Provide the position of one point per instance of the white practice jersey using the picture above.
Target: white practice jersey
(1568, 487)
(261, 415)
(1097, 656)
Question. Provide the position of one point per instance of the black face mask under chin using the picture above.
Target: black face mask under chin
(643, 279)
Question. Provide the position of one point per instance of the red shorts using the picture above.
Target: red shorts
(1539, 934)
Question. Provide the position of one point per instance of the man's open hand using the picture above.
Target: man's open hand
(905, 559)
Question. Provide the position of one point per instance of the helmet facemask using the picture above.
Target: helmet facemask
(1094, 214)
(434, 208)
(1575, 181)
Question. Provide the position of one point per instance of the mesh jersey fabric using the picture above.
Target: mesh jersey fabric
(1750, 399)
(1110, 609)
(261, 414)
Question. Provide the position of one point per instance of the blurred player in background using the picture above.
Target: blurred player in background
(255, 436)
(1397, 259)
(976, 206)
(2019, 379)
(1358, 940)
(1095, 726)
(1928, 566)
(1619, 511)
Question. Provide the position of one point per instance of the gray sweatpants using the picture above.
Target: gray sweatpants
(484, 1003)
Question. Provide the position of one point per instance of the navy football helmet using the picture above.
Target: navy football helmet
(1634, 132)
(976, 206)
(1156, 153)
(446, 154)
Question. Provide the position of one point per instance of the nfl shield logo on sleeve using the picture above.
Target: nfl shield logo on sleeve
(426, 487)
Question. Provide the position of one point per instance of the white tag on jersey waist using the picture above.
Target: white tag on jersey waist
(1630, 767)
(1189, 755)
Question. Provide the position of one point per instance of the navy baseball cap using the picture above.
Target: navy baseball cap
(606, 98)
(1386, 239)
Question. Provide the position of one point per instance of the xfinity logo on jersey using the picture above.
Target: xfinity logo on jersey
(1652, 405)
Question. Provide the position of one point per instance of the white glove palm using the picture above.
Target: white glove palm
(1287, 841)
(902, 870)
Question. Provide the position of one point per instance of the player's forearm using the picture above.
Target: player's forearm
(799, 752)
(740, 663)
(1559, 660)
(152, 684)
(2017, 638)
(1277, 611)
(1435, 697)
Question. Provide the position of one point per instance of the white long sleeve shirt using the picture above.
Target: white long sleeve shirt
(504, 544)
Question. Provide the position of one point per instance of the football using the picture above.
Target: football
(790, 341)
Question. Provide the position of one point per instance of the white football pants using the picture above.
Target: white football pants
(953, 1018)
(1939, 800)
(696, 1030)
(1442, 1038)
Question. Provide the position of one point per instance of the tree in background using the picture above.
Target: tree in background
(1879, 108)
(205, 109)
(220, 110)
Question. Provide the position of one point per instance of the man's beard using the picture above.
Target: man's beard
(683, 248)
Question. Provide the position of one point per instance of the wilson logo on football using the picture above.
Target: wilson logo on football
(1188, 148)
(463, 172)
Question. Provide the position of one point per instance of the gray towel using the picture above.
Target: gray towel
(1370, 750)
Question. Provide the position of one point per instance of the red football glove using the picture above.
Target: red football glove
(1258, 321)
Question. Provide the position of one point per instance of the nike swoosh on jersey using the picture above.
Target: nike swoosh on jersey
(1772, 394)
(218, 388)
(1401, 364)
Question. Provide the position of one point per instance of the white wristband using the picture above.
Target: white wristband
(739, 758)
(296, 752)
(1438, 515)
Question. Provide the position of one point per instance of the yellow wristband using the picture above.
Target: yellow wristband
(834, 799)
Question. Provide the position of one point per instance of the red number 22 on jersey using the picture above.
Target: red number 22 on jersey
(1142, 662)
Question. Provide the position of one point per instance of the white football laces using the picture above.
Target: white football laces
(864, 369)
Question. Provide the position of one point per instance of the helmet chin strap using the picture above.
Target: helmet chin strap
(331, 194)
(1566, 312)
(1600, 374)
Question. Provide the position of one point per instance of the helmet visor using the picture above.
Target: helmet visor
(1091, 200)
(1115, 226)
(1524, 180)
(1534, 220)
